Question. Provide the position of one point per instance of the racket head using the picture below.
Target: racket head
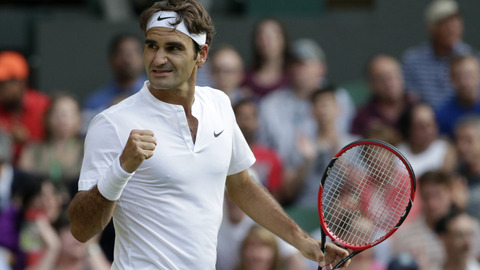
(365, 194)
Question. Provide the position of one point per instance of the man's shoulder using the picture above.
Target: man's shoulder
(207, 90)
(212, 94)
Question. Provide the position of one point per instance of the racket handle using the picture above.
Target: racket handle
(342, 262)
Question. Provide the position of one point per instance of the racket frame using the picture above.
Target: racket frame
(324, 228)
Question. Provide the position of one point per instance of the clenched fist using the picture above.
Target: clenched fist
(140, 146)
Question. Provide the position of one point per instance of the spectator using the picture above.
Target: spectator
(467, 138)
(285, 115)
(227, 72)
(59, 157)
(13, 184)
(259, 251)
(457, 231)
(327, 140)
(418, 237)
(426, 67)
(421, 144)
(125, 56)
(268, 166)
(271, 56)
(388, 97)
(75, 255)
(234, 229)
(465, 76)
(38, 238)
(22, 108)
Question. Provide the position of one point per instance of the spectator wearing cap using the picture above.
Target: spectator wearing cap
(22, 108)
(388, 97)
(426, 67)
(285, 114)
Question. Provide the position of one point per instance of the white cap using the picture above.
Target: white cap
(439, 10)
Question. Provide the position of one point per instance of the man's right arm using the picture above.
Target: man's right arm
(89, 213)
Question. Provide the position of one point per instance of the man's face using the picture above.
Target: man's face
(467, 140)
(447, 32)
(386, 79)
(436, 200)
(127, 61)
(11, 93)
(423, 129)
(170, 59)
(325, 108)
(466, 79)
(270, 40)
(247, 120)
(459, 237)
(226, 70)
(307, 74)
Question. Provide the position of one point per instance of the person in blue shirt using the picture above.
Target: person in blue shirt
(465, 76)
(125, 56)
(426, 67)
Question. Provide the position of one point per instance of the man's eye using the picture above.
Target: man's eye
(152, 46)
(174, 48)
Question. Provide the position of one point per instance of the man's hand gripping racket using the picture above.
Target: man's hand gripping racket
(365, 194)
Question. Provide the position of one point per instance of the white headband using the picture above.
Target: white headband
(167, 19)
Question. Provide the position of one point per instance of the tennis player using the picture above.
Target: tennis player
(159, 161)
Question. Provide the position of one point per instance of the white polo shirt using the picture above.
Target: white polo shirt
(169, 214)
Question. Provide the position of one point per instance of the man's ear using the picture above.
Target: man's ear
(202, 55)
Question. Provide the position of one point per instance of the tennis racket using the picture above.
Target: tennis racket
(365, 194)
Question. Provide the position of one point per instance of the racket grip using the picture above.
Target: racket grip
(342, 262)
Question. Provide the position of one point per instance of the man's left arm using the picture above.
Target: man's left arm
(256, 202)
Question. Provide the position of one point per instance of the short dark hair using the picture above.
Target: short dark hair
(438, 177)
(329, 89)
(115, 42)
(243, 102)
(196, 18)
(405, 120)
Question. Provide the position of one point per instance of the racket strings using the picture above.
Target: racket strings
(365, 194)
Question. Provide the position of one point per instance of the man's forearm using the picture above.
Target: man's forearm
(265, 210)
(89, 213)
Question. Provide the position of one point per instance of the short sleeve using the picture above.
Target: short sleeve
(102, 147)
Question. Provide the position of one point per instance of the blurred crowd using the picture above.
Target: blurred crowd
(294, 118)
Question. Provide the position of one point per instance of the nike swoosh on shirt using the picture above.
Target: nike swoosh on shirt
(164, 18)
(217, 134)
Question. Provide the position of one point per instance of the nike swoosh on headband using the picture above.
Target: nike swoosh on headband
(164, 18)
(167, 19)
